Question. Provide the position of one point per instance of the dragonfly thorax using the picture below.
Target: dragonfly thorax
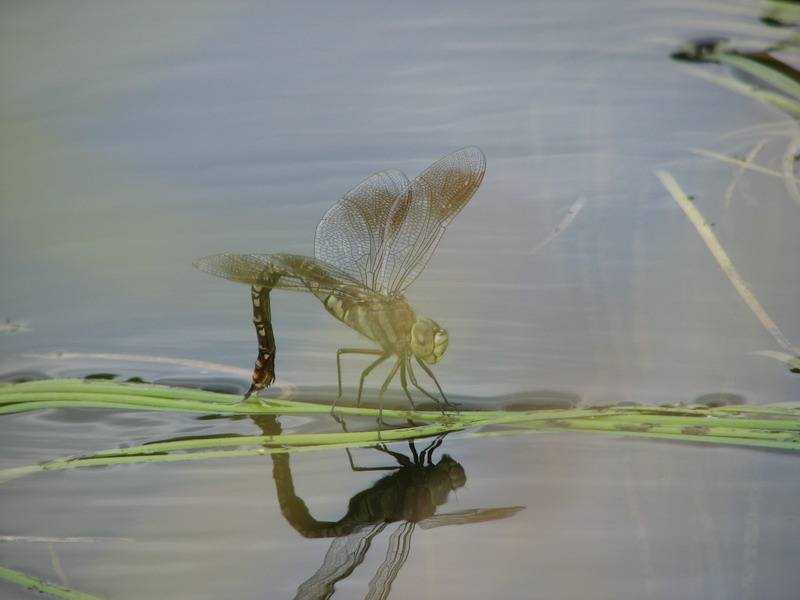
(428, 340)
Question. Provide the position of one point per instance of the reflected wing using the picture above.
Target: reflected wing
(396, 554)
(383, 232)
(282, 271)
(351, 235)
(417, 223)
(471, 515)
(343, 556)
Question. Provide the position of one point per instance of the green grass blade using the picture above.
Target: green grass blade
(40, 585)
(770, 71)
(757, 426)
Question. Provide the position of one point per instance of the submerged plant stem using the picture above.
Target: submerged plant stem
(771, 426)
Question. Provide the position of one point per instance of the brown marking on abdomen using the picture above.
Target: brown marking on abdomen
(264, 369)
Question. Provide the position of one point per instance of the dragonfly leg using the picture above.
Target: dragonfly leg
(350, 459)
(401, 459)
(385, 385)
(416, 384)
(356, 468)
(383, 356)
(432, 448)
(429, 446)
(436, 381)
(404, 383)
(414, 453)
(353, 465)
(364, 375)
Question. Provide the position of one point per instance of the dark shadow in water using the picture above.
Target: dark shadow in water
(23, 376)
(700, 49)
(716, 49)
(408, 498)
(717, 399)
(518, 401)
(220, 385)
(101, 376)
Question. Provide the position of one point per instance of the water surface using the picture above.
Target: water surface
(137, 138)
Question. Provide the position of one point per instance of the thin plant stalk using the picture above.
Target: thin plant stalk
(749, 159)
(787, 164)
(741, 163)
(724, 261)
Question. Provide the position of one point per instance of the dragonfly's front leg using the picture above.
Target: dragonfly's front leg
(436, 381)
(422, 389)
(264, 369)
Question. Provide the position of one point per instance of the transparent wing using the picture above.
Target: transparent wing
(343, 556)
(471, 515)
(396, 554)
(383, 232)
(351, 234)
(282, 271)
(418, 221)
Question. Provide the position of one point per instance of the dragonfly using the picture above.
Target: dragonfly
(369, 248)
(410, 497)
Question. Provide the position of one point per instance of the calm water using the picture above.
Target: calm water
(138, 137)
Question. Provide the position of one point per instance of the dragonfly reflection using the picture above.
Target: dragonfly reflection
(368, 248)
(409, 497)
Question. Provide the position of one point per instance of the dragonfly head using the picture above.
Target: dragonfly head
(455, 472)
(428, 340)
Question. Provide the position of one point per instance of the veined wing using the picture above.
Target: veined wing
(352, 234)
(471, 515)
(396, 554)
(384, 231)
(282, 271)
(343, 556)
(417, 224)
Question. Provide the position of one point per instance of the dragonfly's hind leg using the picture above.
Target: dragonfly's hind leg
(264, 369)
(382, 356)
(353, 465)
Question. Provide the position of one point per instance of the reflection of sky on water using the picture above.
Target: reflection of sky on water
(137, 138)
